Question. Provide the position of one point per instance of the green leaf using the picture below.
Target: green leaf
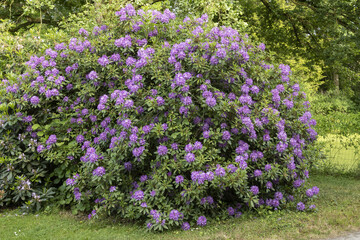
(35, 126)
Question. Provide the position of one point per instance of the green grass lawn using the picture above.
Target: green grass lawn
(338, 212)
(342, 152)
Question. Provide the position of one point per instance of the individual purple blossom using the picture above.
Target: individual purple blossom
(315, 190)
(77, 194)
(138, 195)
(160, 101)
(28, 118)
(201, 221)
(40, 148)
(219, 171)
(206, 134)
(128, 166)
(129, 103)
(133, 138)
(185, 226)
(34, 100)
(290, 198)
(80, 138)
(267, 167)
(242, 164)
(231, 168)
(312, 206)
(70, 182)
(214, 60)
(82, 31)
(257, 173)
(179, 179)
(189, 147)
(126, 123)
(51, 140)
(281, 146)
(254, 190)
(261, 46)
(309, 193)
(269, 185)
(112, 188)
(186, 100)
(197, 145)
(137, 152)
(99, 171)
(162, 150)
(143, 178)
(175, 215)
(231, 211)
(297, 183)
(92, 75)
(221, 53)
(278, 196)
(226, 135)
(153, 193)
(103, 61)
(190, 157)
(300, 206)
(210, 101)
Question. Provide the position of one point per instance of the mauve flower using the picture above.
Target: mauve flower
(210, 101)
(226, 135)
(261, 46)
(51, 140)
(179, 179)
(315, 190)
(34, 100)
(174, 215)
(99, 171)
(138, 195)
(160, 101)
(190, 157)
(300, 206)
(254, 190)
(309, 193)
(219, 171)
(70, 182)
(186, 100)
(162, 150)
(201, 221)
(297, 183)
(257, 173)
(198, 145)
(103, 61)
(80, 138)
(186, 226)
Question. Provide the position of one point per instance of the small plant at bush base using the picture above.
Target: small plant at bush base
(167, 122)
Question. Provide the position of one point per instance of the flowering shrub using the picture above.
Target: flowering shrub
(171, 123)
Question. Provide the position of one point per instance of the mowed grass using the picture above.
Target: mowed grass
(343, 153)
(338, 212)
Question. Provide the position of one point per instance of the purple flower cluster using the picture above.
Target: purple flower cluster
(138, 195)
(99, 171)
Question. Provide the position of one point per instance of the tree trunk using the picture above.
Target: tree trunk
(336, 81)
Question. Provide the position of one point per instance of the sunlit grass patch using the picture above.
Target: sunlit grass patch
(342, 152)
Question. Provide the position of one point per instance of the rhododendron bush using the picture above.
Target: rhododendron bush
(169, 122)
